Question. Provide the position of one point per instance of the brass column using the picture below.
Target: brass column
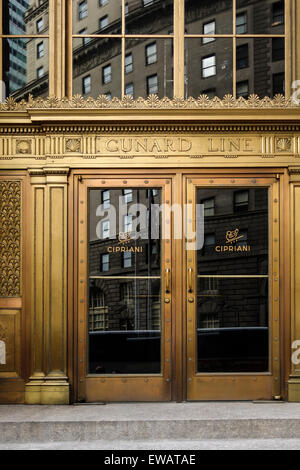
(48, 382)
(294, 380)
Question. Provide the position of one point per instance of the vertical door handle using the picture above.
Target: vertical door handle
(168, 278)
(190, 280)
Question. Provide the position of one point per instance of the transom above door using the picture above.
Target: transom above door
(152, 255)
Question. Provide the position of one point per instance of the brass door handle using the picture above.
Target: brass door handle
(190, 279)
(168, 279)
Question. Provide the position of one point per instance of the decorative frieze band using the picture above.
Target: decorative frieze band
(158, 145)
(152, 102)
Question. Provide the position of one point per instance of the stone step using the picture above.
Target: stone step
(145, 422)
(163, 445)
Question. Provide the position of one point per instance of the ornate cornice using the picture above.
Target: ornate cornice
(152, 102)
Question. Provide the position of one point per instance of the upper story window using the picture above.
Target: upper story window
(106, 74)
(242, 56)
(40, 72)
(209, 207)
(277, 49)
(39, 25)
(127, 196)
(151, 53)
(152, 85)
(278, 13)
(82, 10)
(145, 29)
(128, 63)
(106, 199)
(241, 201)
(209, 29)
(241, 23)
(103, 22)
(209, 68)
(86, 85)
(40, 50)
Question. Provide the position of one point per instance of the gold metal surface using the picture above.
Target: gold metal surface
(49, 287)
(115, 387)
(246, 386)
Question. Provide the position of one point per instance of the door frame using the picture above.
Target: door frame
(179, 177)
(121, 387)
(236, 386)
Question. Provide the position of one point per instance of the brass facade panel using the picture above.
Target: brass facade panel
(10, 336)
(232, 386)
(10, 238)
(116, 387)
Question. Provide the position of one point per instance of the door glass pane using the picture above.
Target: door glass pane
(124, 311)
(233, 281)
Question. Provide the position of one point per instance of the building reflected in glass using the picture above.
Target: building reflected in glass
(222, 54)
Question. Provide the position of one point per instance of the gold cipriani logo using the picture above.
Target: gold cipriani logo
(232, 237)
(122, 246)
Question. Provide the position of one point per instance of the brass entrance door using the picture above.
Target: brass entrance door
(124, 289)
(232, 289)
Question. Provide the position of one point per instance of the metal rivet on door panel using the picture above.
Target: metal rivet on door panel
(146, 380)
(275, 200)
(82, 222)
(81, 301)
(124, 380)
(211, 181)
(146, 182)
(190, 380)
(168, 182)
(167, 380)
(103, 381)
(276, 220)
(103, 182)
(233, 181)
(124, 182)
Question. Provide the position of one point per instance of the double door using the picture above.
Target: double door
(178, 287)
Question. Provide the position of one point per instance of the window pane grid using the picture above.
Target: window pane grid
(240, 20)
(240, 30)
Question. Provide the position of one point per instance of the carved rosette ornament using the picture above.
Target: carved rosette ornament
(10, 238)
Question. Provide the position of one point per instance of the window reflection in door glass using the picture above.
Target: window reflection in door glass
(233, 281)
(124, 310)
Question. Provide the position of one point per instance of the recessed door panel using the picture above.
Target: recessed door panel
(125, 316)
(230, 285)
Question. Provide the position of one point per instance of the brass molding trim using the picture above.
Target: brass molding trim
(152, 102)
(23, 146)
